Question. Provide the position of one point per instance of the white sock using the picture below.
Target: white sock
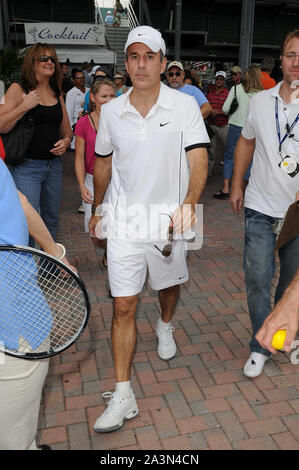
(123, 388)
(163, 323)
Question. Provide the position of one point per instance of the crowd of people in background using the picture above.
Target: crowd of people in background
(114, 18)
(214, 99)
(68, 117)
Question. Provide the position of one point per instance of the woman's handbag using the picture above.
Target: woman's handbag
(210, 131)
(17, 141)
(288, 227)
(234, 104)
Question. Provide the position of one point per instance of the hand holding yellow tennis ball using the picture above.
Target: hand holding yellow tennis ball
(279, 339)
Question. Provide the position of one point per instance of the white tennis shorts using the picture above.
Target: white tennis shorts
(128, 262)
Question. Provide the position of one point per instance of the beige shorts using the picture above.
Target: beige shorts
(129, 262)
(21, 384)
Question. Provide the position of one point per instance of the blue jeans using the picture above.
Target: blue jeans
(233, 135)
(41, 182)
(259, 266)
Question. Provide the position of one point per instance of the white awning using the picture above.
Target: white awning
(80, 54)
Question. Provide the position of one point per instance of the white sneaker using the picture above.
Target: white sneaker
(118, 410)
(81, 209)
(255, 364)
(166, 343)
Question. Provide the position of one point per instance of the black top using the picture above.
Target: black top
(47, 122)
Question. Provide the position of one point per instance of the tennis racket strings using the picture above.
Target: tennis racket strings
(43, 307)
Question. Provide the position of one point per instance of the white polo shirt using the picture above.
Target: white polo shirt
(270, 190)
(74, 103)
(150, 172)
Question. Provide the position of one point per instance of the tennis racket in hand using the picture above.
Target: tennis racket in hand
(44, 305)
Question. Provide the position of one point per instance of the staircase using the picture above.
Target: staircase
(116, 38)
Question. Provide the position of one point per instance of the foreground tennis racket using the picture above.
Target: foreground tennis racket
(44, 305)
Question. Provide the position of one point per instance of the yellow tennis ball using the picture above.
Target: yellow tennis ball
(278, 339)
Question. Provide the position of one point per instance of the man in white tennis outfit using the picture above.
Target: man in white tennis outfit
(151, 144)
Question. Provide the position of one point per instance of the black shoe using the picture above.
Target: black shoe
(221, 195)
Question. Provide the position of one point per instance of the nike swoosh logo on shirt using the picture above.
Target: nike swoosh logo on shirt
(164, 124)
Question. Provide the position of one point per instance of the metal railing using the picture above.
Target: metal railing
(132, 18)
(131, 15)
(98, 11)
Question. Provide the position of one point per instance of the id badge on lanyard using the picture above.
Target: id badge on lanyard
(288, 164)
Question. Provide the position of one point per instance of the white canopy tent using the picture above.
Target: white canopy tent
(79, 54)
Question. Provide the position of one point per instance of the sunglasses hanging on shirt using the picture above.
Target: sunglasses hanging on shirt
(167, 249)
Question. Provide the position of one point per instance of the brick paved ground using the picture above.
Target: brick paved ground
(198, 400)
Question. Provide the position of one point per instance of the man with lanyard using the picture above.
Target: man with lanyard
(235, 77)
(270, 137)
(145, 144)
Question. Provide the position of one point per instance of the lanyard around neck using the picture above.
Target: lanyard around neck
(289, 128)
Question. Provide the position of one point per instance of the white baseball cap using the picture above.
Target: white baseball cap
(221, 73)
(94, 69)
(149, 36)
(102, 69)
(175, 63)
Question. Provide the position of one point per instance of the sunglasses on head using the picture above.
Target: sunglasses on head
(97, 78)
(80, 77)
(177, 74)
(45, 58)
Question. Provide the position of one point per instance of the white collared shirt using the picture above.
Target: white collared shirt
(74, 103)
(149, 161)
(270, 190)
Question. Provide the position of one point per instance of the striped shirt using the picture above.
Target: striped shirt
(217, 100)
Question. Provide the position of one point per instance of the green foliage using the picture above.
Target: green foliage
(10, 65)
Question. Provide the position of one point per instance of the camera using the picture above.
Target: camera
(290, 166)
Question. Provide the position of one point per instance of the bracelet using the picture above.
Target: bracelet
(63, 252)
(97, 210)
